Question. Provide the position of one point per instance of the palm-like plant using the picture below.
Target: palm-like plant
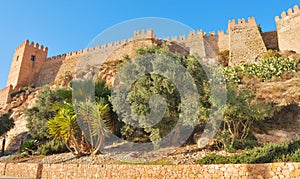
(95, 119)
(7, 124)
(64, 127)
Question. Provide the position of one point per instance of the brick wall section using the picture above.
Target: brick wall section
(5, 94)
(53, 171)
(245, 42)
(288, 27)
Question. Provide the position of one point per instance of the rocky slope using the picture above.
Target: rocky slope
(23, 99)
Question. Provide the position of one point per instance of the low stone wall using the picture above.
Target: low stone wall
(24, 170)
(2, 168)
(53, 171)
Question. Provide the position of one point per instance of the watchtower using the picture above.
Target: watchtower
(26, 64)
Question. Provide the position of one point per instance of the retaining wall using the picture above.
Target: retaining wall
(53, 171)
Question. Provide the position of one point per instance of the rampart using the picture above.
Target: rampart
(242, 39)
(58, 171)
(288, 28)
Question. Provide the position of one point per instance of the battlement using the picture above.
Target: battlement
(289, 13)
(222, 32)
(184, 38)
(144, 34)
(32, 45)
(242, 23)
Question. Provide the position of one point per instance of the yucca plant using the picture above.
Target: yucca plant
(64, 127)
(94, 118)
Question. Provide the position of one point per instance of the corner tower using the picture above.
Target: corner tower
(26, 64)
(245, 42)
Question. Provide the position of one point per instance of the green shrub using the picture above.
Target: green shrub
(288, 152)
(271, 53)
(29, 147)
(52, 147)
(265, 69)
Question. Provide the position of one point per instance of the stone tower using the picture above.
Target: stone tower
(245, 42)
(26, 64)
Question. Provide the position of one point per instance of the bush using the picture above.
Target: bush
(223, 57)
(29, 147)
(265, 69)
(243, 108)
(271, 53)
(52, 147)
(287, 152)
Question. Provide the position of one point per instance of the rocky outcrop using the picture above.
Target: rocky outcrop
(21, 100)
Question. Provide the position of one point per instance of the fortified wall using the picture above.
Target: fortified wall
(288, 28)
(244, 41)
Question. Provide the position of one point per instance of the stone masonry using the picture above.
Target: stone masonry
(30, 65)
(124, 171)
(288, 28)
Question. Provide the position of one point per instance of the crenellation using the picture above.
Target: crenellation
(191, 34)
(242, 39)
(288, 28)
(200, 32)
(289, 13)
(129, 40)
(283, 15)
(212, 33)
(167, 39)
(144, 34)
(242, 23)
(109, 44)
(221, 32)
(174, 38)
(296, 8)
(182, 38)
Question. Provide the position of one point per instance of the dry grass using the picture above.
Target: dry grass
(282, 92)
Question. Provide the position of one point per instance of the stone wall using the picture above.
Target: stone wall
(53, 171)
(49, 72)
(288, 27)
(5, 94)
(271, 40)
(211, 45)
(245, 42)
(2, 168)
(24, 170)
(223, 42)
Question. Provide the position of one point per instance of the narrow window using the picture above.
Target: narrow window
(32, 58)
(17, 58)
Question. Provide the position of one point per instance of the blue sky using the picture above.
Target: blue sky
(65, 26)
